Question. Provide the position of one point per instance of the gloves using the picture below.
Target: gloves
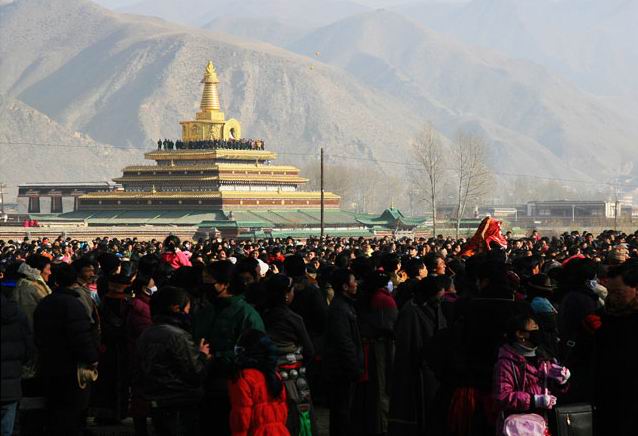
(559, 373)
(544, 401)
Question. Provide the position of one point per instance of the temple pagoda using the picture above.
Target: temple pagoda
(212, 168)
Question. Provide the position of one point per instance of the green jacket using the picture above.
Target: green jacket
(221, 324)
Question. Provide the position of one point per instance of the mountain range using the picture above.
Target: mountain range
(337, 74)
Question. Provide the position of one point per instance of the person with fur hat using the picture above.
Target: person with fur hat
(32, 287)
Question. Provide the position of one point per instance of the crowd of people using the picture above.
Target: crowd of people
(233, 144)
(394, 336)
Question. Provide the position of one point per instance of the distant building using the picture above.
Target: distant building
(574, 210)
(57, 197)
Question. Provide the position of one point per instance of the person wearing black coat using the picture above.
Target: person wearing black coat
(169, 367)
(414, 381)
(615, 356)
(17, 348)
(343, 356)
(577, 339)
(65, 341)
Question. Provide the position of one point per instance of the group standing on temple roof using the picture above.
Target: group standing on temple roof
(411, 336)
(233, 144)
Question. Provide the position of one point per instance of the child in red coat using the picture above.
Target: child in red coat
(257, 396)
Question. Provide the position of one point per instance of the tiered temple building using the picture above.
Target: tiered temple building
(214, 180)
(212, 167)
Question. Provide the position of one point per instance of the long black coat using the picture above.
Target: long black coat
(17, 348)
(616, 383)
(343, 356)
(414, 383)
(63, 334)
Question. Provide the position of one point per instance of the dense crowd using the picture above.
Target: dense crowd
(402, 337)
(233, 144)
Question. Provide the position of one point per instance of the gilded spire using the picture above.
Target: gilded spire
(210, 96)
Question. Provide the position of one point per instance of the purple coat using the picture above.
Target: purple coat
(516, 381)
(139, 318)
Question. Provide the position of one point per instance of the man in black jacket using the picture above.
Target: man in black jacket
(66, 345)
(170, 368)
(17, 348)
(343, 357)
(616, 355)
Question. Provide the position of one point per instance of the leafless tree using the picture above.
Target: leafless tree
(472, 175)
(429, 155)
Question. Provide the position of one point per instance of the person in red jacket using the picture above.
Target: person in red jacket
(257, 396)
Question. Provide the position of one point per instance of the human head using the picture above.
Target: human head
(124, 276)
(622, 287)
(280, 290)
(168, 301)
(143, 284)
(171, 243)
(41, 263)
(86, 269)
(220, 275)
(416, 269)
(435, 264)
(63, 276)
(344, 282)
(523, 330)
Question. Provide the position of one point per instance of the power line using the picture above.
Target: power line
(355, 158)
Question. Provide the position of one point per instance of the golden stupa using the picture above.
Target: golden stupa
(211, 168)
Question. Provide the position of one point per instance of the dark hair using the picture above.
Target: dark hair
(339, 278)
(127, 273)
(140, 282)
(84, 262)
(390, 262)
(222, 271)
(516, 323)
(163, 300)
(295, 266)
(247, 265)
(257, 351)
(413, 266)
(38, 261)
(63, 275)
(628, 271)
(430, 261)
(277, 287)
(171, 242)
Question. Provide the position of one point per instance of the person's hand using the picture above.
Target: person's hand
(544, 401)
(559, 373)
(204, 348)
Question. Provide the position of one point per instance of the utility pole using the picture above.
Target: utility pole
(2, 186)
(322, 199)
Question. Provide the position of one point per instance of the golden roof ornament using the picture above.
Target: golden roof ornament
(210, 96)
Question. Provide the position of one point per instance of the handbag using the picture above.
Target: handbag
(528, 424)
(574, 420)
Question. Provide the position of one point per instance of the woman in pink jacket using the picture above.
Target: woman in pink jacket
(523, 378)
